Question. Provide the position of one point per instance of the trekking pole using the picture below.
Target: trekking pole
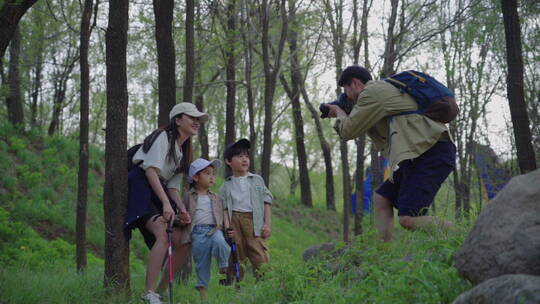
(170, 261)
(234, 252)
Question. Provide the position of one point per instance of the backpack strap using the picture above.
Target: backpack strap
(420, 78)
(403, 86)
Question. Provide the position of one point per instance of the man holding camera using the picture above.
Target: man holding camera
(420, 151)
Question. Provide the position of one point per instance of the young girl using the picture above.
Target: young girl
(154, 185)
(208, 220)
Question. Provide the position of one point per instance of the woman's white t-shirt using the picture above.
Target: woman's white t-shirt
(157, 157)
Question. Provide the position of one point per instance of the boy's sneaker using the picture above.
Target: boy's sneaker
(151, 298)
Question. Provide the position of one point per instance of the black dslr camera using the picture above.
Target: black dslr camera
(341, 102)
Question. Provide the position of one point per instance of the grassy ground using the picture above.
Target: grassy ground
(37, 211)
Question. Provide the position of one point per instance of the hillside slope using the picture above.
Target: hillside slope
(37, 224)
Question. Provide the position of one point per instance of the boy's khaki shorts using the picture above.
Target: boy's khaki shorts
(248, 245)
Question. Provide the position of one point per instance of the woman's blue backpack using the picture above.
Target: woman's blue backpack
(434, 99)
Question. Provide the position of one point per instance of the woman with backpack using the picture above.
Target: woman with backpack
(154, 187)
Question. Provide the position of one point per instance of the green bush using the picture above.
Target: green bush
(9, 182)
(6, 129)
(17, 144)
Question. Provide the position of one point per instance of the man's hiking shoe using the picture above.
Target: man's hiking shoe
(151, 298)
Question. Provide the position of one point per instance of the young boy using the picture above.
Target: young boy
(248, 203)
(208, 220)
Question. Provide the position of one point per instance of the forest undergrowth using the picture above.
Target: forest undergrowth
(37, 253)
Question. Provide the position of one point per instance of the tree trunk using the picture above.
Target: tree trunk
(296, 81)
(360, 141)
(268, 95)
(60, 78)
(230, 83)
(199, 102)
(514, 85)
(248, 66)
(36, 87)
(338, 45)
(163, 13)
(360, 158)
(14, 101)
(389, 50)
(271, 72)
(116, 274)
(376, 175)
(346, 190)
(11, 12)
(326, 151)
(189, 77)
(203, 133)
(458, 211)
(82, 190)
(58, 100)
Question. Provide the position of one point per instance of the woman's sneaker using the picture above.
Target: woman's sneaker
(151, 298)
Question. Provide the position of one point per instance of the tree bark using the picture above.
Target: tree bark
(189, 78)
(359, 178)
(514, 85)
(36, 87)
(60, 77)
(14, 101)
(199, 102)
(116, 275)
(163, 13)
(82, 190)
(376, 175)
(230, 83)
(203, 133)
(271, 72)
(389, 49)
(338, 45)
(248, 66)
(11, 13)
(326, 151)
(346, 189)
(296, 81)
(360, 141)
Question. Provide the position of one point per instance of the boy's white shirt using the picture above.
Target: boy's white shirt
(241, 194)
(260, 197)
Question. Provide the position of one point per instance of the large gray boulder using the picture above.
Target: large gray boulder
(506, 236)
(508, 289)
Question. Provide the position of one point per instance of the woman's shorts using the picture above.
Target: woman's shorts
(143, 204)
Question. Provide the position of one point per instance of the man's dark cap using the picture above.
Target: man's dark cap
(232, 149)
(354, 71)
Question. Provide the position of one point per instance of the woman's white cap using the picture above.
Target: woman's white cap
(189, 109)
(200, 164)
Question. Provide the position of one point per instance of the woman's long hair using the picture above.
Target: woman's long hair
(172, 136)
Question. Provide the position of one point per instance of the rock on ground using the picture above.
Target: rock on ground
(316, 250)
(508, 289)
(506, 236)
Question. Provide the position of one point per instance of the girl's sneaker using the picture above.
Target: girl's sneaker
(203, 293)
(151, 298)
